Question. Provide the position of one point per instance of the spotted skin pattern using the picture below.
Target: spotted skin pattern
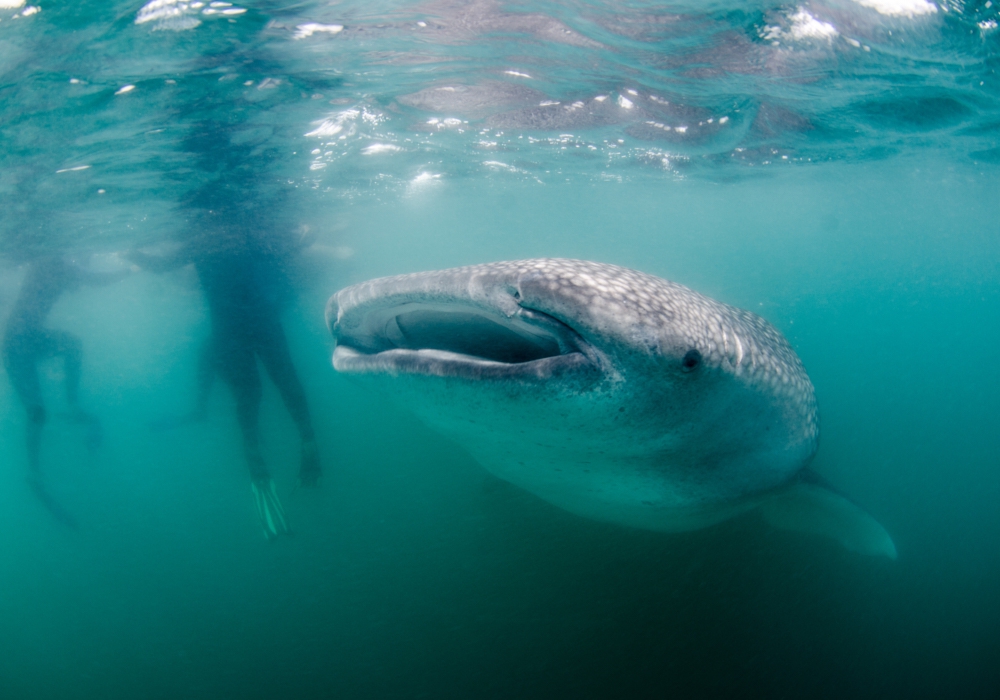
(646, 444)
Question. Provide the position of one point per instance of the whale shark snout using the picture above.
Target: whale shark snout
(608, 392)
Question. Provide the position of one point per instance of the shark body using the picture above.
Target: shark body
(611, 393)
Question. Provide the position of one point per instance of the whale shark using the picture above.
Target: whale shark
(610, 393)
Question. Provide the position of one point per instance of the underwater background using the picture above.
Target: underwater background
(831, 165)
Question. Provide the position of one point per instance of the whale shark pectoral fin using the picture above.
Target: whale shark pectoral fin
(817, 510)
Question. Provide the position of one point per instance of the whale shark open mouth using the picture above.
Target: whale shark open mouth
(456, 340)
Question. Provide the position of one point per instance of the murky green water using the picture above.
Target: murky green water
(873, 246)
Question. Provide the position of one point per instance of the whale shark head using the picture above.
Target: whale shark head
(636, 389)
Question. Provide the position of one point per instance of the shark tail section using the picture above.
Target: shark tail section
(811, 507)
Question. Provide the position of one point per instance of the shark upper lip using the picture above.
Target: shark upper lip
(458, 338)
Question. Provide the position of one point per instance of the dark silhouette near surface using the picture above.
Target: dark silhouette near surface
(27, 341)
(245, 286)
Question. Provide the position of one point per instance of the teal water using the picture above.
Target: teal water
(873, 245)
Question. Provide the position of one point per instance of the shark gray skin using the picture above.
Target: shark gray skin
(608, 392)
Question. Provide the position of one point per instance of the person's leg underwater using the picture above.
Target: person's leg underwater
(273, 350)
(237, 364)
(23, 374)
(70, 348)
(20, 356)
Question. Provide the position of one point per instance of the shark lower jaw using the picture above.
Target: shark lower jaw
(460, 340)
(440, 363)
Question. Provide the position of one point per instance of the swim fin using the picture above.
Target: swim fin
(51, 505)
(272, 515)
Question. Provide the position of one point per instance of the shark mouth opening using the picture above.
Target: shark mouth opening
(457, 339)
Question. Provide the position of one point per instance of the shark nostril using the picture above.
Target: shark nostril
(692, 358)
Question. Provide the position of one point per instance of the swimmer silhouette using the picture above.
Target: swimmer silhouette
(27, 341)
(243, 283)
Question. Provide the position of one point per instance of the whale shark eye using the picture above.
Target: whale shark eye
(692, 358)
